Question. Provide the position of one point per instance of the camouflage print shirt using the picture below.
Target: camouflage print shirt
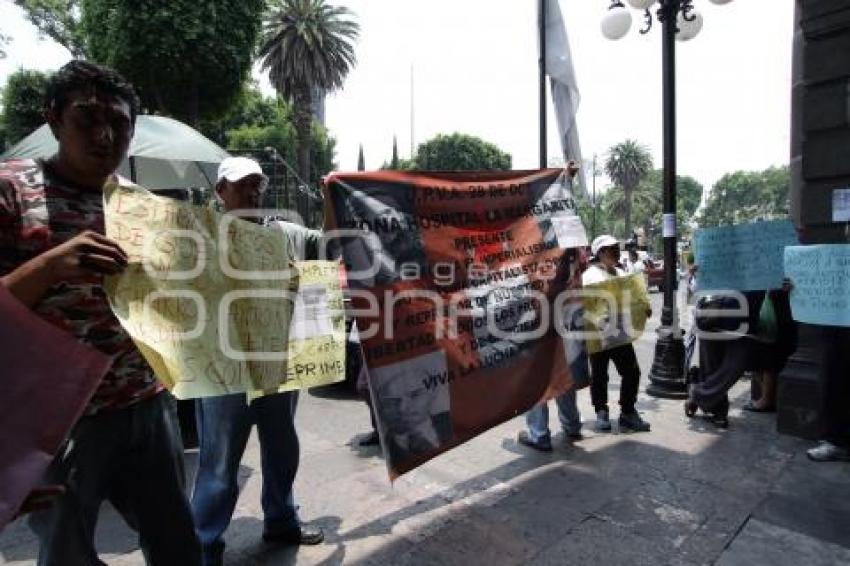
(39, 212)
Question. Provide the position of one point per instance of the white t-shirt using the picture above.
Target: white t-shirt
(633, 267)
(597, 273)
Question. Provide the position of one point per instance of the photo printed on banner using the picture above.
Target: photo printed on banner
(389, 239)
(414, 411)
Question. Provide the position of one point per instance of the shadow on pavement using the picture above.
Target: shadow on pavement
(629, 502)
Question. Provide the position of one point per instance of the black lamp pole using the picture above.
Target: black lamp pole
(667, 376)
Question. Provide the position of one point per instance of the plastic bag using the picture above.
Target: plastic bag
(768, 328)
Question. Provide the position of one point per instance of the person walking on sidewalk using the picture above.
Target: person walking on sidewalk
(604, 266)
(224, 422)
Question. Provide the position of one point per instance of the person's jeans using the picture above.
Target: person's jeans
(627, 365)
(224, 425)
(537, 418)
(133, 458)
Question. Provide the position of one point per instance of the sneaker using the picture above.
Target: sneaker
(828, 452)
(543, 445)
(632, 422)
(603, 422)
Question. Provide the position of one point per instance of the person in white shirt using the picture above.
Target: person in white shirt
(604, 266)
(634, 264)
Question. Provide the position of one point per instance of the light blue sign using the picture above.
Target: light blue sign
(748, 257)
(821, 279)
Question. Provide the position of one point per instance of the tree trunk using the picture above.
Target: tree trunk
(627, 194)
(303, 118)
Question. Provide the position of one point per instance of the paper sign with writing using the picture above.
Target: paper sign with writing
(747, 257)
(615, 312)
(317, 331)
(841, 205)
(207, 297)
(821, 279)
(463, 271)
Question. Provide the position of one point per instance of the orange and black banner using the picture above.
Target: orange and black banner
(458, 283)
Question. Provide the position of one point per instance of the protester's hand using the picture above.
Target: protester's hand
(787, 285)
(40, 498)
(648, 313)
(83, 255)
(572, 168)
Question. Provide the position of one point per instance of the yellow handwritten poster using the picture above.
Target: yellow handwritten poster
(208, 298)
(317, 331)
(615, 312)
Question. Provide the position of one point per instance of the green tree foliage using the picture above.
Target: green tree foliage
(60, 20)
(460, 152)
(306, 45)
(648, 200)
(394, 162)
(250, 108)
(187, 59)
(257, 122)
(627, 164)
(4, 41)
(688, 194)
(688, 191)
(401, 165)
(745, 196)
(23, 104)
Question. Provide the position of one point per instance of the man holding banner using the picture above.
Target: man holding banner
(53, 259)
(225, 421)
(538, 435)
(604, 267)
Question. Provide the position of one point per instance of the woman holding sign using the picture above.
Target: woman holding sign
(605, 266)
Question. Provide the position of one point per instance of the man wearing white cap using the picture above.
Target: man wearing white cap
(224, 424)
(604, 266)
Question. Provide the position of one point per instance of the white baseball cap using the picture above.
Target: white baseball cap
(236, 168)
(603, 241)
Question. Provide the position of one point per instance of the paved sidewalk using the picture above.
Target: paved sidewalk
(684, 493)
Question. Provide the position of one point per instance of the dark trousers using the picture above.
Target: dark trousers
(836, 386)
(722, 363)
(133, 458)
(627, 365)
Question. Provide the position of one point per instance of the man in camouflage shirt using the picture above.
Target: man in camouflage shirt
(53, 257)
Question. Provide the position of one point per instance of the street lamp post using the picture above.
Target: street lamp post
(679, 20)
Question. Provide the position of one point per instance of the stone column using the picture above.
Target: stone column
(820, 164)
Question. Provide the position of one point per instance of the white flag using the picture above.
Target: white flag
(565, 95)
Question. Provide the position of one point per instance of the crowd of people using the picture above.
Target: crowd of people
(126, 449)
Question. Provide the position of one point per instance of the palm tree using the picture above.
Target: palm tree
(307, 45)
(627, 164)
